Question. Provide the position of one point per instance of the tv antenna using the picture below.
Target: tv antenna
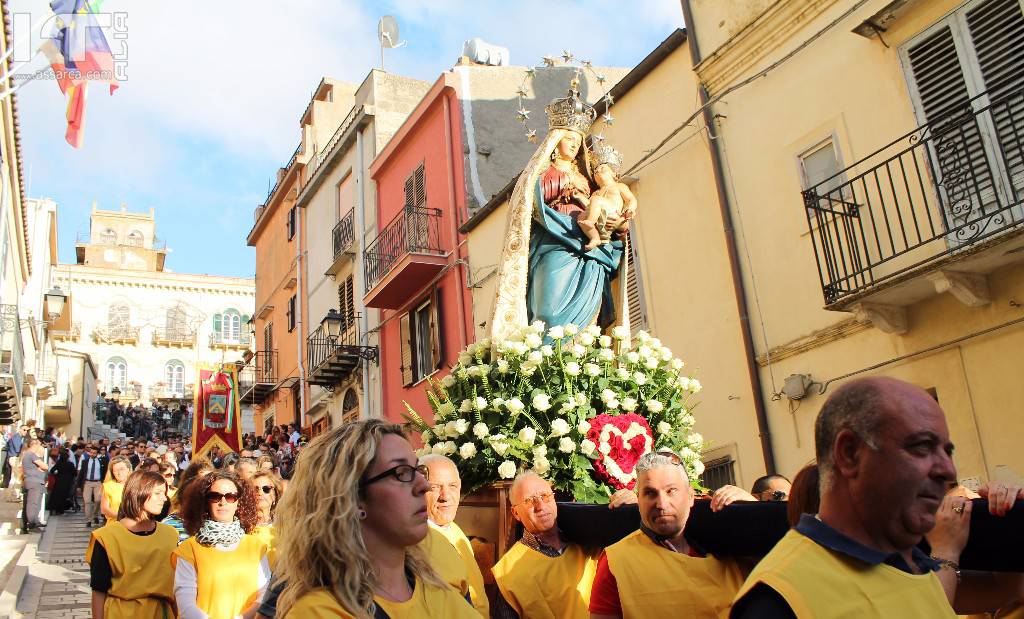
(387, 34)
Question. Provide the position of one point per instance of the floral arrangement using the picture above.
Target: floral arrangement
(577, 406)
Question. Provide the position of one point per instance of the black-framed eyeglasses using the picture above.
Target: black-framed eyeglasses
(403, 473)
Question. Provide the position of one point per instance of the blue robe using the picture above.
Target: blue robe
(567, 284)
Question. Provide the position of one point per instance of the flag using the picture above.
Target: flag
(78, 52)
(217, 420)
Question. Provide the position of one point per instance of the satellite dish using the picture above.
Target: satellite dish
(387, 34)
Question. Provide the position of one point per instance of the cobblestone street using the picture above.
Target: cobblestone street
(57, 584)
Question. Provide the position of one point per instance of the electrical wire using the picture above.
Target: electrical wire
(737, 86)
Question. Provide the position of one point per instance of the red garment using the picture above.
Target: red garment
(557, 189)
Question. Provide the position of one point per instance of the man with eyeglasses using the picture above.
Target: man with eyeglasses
(442, 505)
(539, 570)
(656, 571)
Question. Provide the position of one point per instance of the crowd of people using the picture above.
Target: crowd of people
(159, 420)
(364, 529)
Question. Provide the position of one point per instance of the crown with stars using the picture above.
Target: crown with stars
(604, 154)
(571, 112)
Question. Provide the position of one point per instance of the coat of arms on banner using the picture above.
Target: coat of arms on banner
(216, 411)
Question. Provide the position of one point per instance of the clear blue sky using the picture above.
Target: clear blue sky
(215, 90)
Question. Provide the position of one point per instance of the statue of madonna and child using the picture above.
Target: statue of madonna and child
(566, 231)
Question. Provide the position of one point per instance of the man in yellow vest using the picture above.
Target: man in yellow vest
(884, 457)
(442, 505)
(542, 575)
(656, 571)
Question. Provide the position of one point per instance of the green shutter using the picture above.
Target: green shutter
(216, 323)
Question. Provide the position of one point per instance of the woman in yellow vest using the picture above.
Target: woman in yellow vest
(268, 487)
(220, 572)
(351, 520)
(128, 558)
(113, 486)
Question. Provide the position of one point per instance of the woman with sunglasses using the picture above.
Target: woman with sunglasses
(220, 572)
(268, 487)
(128, 558)
(196, 469)
(350, 525)
(113, 487)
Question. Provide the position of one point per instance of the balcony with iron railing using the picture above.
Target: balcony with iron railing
(404, 257)
(343, 241)
(87, 238)
(230, 341)
(181, 337)
(12, 364)
(332, 359)
(115, 334)
(934, 210)
(258, 377)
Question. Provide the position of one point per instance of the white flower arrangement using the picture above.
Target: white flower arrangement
(527, 402)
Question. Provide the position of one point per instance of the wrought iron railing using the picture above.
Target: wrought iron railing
(320, 347)
(280, 177)
(416, 229)
(12, 352)
(260, 369)
(180, 336)
(321, 155)
(219, 339)
(343, 236)
(119, 333)
(67, 334)
(87, 238)
(942, 188)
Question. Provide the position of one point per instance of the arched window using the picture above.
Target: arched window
(174, 375)
(116, 373)
(108, 237)
(228, 326)
(118, 318)
(350, 406)
(135, 238)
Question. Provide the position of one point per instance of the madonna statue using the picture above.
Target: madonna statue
(545, 273)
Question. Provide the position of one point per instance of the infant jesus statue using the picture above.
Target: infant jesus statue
(611, 198)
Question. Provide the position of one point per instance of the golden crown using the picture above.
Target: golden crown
(571, 112)
(604, 153)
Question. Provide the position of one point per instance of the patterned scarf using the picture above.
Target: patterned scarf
(215, 533)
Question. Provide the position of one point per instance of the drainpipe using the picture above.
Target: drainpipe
(360, 225)
(298, 316)
(734, 264)
(456, 247)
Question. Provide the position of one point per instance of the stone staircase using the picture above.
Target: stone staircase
(101, 430)
(17, 552)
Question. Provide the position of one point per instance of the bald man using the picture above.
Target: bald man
(442, 505)
(885, 460)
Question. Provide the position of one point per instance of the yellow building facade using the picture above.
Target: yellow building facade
(857, 166)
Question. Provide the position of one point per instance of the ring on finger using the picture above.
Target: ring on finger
(959, 508)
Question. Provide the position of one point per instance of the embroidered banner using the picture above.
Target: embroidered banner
(217, 419)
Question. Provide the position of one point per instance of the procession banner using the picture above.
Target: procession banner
(217, 419)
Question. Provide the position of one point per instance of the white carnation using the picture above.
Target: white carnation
(466, 406)
(437, 449)
(499, 447)
(426, 436)
(583, 426)
(503, 365)
(556, 333)
(572, 368)
(541, 402)
(695, 385)
(651, 363)
(465, 358)
(497, 403)
(695, 440)
(533, 340)
(535, 356)
(605, 448)
(607, 395)
(684, 383)
(566, 445)
(622, 373)
(546, 350)
(461, 427)
(480, 403)
(560, 427)
(604, 341)
(633, 357)
(639, 378)
(698, 468)
(578, 351)
(537, 327)
(467, 451)
(664, 428)
(677, 364)
(507, 469)
(592, 369)
(629, 404)
(448, 381)
(541, 466)
(654, 406)
(527, 435)
(586, 339)
(450, 447)
(645, 351)
(587, 446)
(605, 354)
(612, 404)
(480, 430)
(515, 405)
(571, 329)
(620, 332)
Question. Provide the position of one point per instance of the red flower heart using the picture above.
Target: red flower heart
(628, 438)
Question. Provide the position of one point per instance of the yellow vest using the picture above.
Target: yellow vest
(114, 492)
(265, 533)
(426, 602)
(142, 587)
(817, 582)
(228, 580)
(445, 560)
(455, 535)
(541, 587)
(656, 582)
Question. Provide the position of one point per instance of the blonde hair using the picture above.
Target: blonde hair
(318, 524)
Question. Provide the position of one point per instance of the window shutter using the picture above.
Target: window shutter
(436, 356)
(421, 186)
(268, 337)
(410, 191)
(216, 323)
(634, 289)
(405, 336)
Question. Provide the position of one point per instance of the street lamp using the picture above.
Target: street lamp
(252, 326)
(331, 324)
(55, 300)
